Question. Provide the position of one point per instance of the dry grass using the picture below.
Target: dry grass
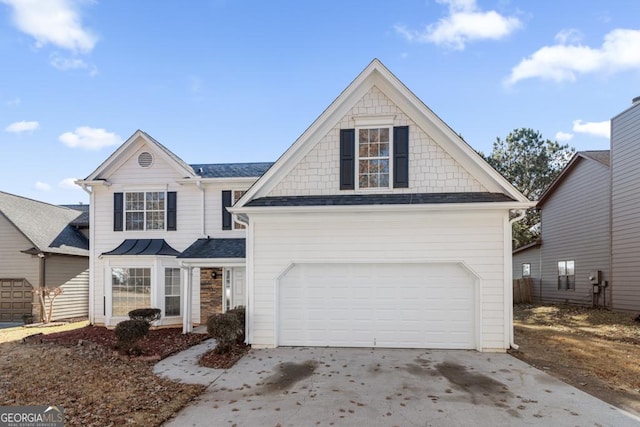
(20, 332)
(95, 385)
(595, 350)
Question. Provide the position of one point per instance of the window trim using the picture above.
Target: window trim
(111, 268)
(234, 200)
(370, 124)
(145, 211)
(567, 282)
(179, 295)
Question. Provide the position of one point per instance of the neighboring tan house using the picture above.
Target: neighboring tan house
(574, 213)
(42, 245)
(378, 227)
(590, 226)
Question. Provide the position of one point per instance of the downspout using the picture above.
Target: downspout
(92, 267)
(520, 214)
(247, 298)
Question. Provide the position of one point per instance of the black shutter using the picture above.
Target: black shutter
(172, 210)
(401, 157)
(226, 215)
(118, 211)
(347, 158)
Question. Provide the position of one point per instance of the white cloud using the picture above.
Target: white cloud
(64, 64)
(23, 126)
(465, 23)
(42, 186)
(566, 60)
(564, 136)
(89, 138)
(570, 35)
(55, 22)
(600, 129)
(13, 102)
(69, 183)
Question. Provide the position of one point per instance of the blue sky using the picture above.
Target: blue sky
(234, 81)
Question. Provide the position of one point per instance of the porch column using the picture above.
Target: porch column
(187, 321)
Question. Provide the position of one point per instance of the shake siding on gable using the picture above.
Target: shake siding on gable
(625, 198)
(575, 227)
(431, 169)
(475, 238)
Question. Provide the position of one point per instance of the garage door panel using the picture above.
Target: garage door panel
(384, 305)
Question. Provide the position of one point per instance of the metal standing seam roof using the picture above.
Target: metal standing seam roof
(143, 247)
(48, 227)
(231, 170)
(380, 199)
(216, 248)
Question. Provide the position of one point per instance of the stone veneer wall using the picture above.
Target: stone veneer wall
(210, 293)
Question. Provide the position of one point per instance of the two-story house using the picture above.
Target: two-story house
(378, 227)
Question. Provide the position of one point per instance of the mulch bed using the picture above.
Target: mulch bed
(158, 344)
(211, 359)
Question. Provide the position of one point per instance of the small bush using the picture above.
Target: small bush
(146, 314)
(129, 332)
(227, 329)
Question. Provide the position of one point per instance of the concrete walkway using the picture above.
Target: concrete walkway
(382, 387)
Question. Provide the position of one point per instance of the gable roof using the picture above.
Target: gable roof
(600, 156)
(47, 227)
(376, 74)
(380, 199)
(83, 220)
(216, 248)
(125, 150)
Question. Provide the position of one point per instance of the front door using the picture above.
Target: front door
(233, 287)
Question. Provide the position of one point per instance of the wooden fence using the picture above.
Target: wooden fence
(523, 290)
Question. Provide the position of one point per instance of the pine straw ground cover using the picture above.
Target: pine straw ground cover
(95, 385)
(595, 350)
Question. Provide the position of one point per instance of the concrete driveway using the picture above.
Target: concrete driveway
(385, 387)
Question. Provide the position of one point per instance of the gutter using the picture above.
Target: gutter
(520, 214)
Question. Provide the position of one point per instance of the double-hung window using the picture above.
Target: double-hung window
(374, 157)
(172, 292)
(566, 275)
(145, 210)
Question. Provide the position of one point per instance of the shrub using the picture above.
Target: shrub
(227, 329)
(147, 314)
(129, 332)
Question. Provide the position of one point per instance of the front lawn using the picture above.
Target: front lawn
(95, 385)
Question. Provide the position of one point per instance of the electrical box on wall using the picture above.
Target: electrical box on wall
(595, 277)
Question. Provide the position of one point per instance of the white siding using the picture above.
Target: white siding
(475, 239)
(161, 176)
(431, 169)
(575, 226)
(625, 156)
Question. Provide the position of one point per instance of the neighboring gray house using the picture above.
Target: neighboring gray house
(625, 209)
(590, 226)
(526, 263)
(42, 245)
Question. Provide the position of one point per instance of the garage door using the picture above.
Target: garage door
(377, 305)
(15, 299)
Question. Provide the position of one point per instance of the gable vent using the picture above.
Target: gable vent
(145, 159)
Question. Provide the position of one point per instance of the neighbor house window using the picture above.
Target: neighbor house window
(172, 292)
(373, 157)
(566, 275)
(237, 194)
(130, 289)
(145, 210)
(526, 270)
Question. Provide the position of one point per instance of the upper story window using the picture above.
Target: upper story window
(237, 194)
(374, 159)
(145, 210)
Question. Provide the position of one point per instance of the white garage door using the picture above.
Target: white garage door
(377, 305)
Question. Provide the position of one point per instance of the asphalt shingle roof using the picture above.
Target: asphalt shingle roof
(231, 170)
(47, 227)
(83, 219)
(602, 156)
(143, 247)
(380, 199)
(216, 248)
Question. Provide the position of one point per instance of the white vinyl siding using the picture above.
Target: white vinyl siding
(475, 239)
(625, 198)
